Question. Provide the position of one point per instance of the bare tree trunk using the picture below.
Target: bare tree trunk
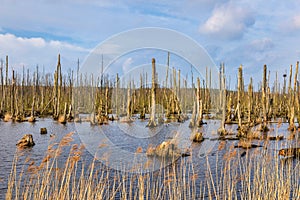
(242, 130)
(264, 127)
(63, 119)
(240, 81)
(199, 105)
(178, 97)
(2, 91)
(166, 86)
(207, 100)
(12, 98)
(250, 101)
(32, 118)
(6, 103)
(229, 106)
(69, 115)
(128, 111)
(152, 121)
(57, 89)
(296, 93)
(60, 85)
(141, 98)
(222, 130)
(193, 117)
(106, 100)
(117, 95)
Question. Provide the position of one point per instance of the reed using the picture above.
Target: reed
(258, 175)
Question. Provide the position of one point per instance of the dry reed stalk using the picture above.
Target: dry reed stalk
(256, 177)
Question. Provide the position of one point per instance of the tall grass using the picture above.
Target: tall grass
(258, 175)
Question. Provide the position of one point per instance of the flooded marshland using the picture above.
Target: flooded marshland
(211, 154)
(144, 136)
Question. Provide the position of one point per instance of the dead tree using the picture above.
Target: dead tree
(12, 97)
(264, 88)
(32, 118)
(293, 97)
(222, 130)
(199, 105)
(57, 90)
(152, 122)
(129, 101)
(250, 101)
(193, 117)
(2, 90)
(242, 130)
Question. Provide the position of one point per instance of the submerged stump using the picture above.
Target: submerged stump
(43, 131)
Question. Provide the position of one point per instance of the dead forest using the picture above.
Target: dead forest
(27, 95)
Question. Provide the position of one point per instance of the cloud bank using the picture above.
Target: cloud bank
(29, 52)
(228, 22)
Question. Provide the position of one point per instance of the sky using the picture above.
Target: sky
(233, 32)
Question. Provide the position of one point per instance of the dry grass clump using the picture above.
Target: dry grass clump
(167, 149)
(62, 119)
(246, 144)
(31, 119)
(197, 136)
(254, 135)
(7, 117)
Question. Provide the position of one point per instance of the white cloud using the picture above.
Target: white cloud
(228, 21)
(65, 45)
(29, 52)
(262, 44)
(296, 22)
(127, 65)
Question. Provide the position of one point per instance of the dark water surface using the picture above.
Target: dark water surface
(126, 138)
(11, 132)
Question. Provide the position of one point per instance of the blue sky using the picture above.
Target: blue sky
(251, 33)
